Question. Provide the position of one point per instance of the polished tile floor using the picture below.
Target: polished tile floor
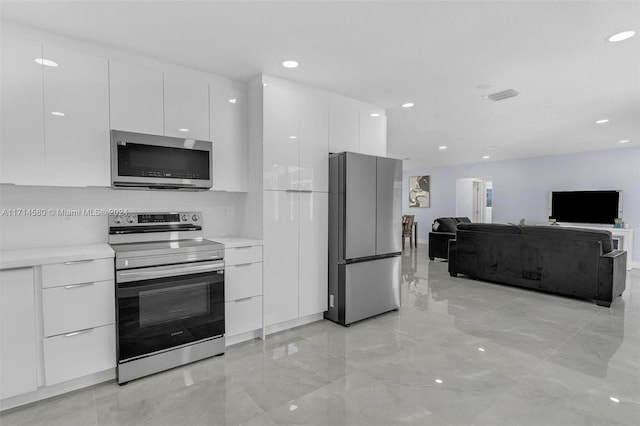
(459, 352)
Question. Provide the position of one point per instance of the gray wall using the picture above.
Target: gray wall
(521, 187)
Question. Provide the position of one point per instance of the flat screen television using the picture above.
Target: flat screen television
(600, 207)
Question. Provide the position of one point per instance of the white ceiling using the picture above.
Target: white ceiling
(433, 53)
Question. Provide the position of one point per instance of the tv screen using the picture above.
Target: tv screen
(585, 206)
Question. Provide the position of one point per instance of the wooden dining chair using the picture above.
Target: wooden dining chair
(407, 228)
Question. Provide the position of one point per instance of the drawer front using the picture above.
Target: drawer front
(240, 255)
(243, 315)
(78, 307)
(83, 271)
(242, 281)
(68, 357)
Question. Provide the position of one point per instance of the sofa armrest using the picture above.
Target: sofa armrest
(612, 275)
(453, 257)
(439, 244)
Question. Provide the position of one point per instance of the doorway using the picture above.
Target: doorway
(474, 199)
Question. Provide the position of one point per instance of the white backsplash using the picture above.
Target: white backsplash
(223, 213)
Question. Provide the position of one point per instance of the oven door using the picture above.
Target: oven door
(161, 313)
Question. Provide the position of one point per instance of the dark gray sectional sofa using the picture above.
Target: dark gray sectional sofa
(443, 230)
(569, 261)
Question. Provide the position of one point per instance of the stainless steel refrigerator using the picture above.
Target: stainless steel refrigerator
(365, 236)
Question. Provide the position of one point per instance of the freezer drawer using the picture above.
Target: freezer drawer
(370, 288)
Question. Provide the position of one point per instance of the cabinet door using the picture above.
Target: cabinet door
(228, 109)
(313, 253)
(22, 126)
(373, 132)
(280, 264)
(280, 137)
(136, 100)
(18, 333)
(186, 107)
(76, 119)
(344, 122)
(314, 141)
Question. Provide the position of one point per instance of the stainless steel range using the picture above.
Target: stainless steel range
(169, 292)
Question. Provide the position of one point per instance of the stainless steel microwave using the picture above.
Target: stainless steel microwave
(160, 162)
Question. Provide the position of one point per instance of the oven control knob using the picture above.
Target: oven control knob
(130, 219)
(117, 219)
(194, 217)
(184, 217)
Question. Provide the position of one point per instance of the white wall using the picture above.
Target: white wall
(521, 187)
(222, 213)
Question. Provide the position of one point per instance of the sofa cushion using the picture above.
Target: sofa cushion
(445, 224)
(495, 228)
(572, 234)
(463, 220)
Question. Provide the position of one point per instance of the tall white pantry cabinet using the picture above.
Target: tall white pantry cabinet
(293, 128)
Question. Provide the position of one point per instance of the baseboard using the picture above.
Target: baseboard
(275, 328)
(243, 337)
(59, 389)
(634, 265)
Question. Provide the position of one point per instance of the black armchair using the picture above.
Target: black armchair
(443, 230)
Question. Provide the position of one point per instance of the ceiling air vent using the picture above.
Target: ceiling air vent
(500, 96)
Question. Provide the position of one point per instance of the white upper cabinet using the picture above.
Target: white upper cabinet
(136, 100)
(76, 119)
(373, 132)
(344, 126)
(281, 134)
(228, 121)
(21, 122)
(313, 143)
(186, 107)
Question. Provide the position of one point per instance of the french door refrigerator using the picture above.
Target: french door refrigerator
(365, 228)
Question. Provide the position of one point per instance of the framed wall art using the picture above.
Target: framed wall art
(419, 191)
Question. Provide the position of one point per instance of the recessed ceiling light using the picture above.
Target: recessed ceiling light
(624, 141)
(183, 130)
(439, 381)
(614, 399)
(442, 147)
(290, 64)
(485, 157)
(408, 105)
(621, 36)
(233, 101)
(46, 62)
(374, 114)
(293, 137)
(57, 113)
(481, 349)
(604, 120)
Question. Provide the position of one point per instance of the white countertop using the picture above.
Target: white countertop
(234, 242)
(10, 259)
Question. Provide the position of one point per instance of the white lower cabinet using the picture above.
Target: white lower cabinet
(243, 290)
(78, 307)
(18, 352)
(79, 353)
(295, 255)
(243, 315)
(62, 314)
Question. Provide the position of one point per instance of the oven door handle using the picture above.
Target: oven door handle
(168, 271)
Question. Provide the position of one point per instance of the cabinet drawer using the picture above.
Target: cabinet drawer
(243, 315)
(242, 281)
(72, 355)
(82, 271)
(240, 255)
(77, 307)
